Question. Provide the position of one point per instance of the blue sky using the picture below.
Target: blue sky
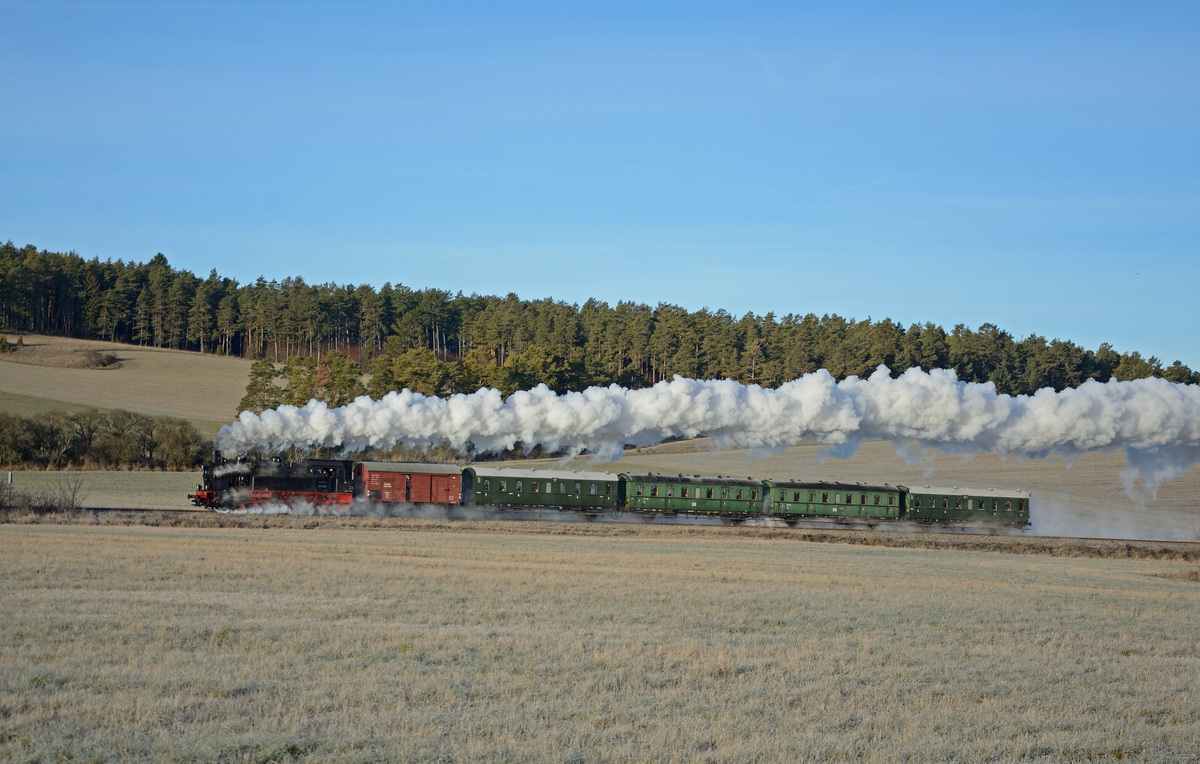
(1032, 165)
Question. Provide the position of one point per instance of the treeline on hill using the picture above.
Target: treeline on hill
(101, 440)
(435, 342)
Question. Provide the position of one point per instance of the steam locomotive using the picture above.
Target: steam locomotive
(243, 483)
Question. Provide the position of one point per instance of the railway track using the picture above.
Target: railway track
(140, 510)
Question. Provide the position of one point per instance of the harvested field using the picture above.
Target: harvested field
(31, 405)
(412, 643)
(203, 389)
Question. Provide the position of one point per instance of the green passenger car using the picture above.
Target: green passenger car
(692, 495)
(803, 498)
(539, 489)
(956, 505)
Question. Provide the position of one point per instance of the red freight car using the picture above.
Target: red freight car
(413, 483)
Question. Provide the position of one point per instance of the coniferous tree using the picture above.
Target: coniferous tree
(262, 391)
(228, 323)
(337, 380)
(1133, 366)
(300, 373)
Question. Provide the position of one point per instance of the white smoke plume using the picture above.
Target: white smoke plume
(1156, 423)
(231, 468)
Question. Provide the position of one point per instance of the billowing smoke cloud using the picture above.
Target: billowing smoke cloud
(1157, 423)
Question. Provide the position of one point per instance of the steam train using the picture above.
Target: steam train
(243, 483)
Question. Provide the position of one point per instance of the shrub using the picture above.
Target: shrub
(94, 359)
(101, 440)
(67, 495)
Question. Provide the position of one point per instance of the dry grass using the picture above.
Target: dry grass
(483, 522)
(64, 352)
(204, 389)
(32, 405)
(415, 645)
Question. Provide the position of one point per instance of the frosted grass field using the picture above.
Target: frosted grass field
(345, 644)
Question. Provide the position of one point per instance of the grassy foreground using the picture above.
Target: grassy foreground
(412, 643)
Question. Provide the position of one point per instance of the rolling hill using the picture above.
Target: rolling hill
(46, 374)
